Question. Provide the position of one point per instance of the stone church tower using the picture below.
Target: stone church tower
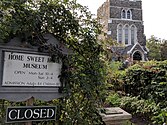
(123, 22)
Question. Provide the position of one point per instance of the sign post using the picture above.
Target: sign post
(29, 102)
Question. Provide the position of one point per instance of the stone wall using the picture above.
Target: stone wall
(139, 26)
(103, 16)
(126, 3)
(115, 11)
(111, 10)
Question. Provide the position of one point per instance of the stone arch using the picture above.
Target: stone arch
(138, 56)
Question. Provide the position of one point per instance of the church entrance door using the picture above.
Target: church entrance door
(137, 56)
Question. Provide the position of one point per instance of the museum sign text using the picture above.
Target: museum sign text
(23, 69)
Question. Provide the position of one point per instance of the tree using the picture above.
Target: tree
(72, 24)
(157, 49)
(153, 44)
(163, 50)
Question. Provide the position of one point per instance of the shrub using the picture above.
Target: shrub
(148, 81)
(146, 87)
(146, 109)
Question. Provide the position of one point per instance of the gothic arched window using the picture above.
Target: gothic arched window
(123, 14)
(129, 14)
(126, 32)
(119, 33)
(126, 14)
(132, 34)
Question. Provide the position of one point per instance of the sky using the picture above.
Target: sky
(154, 15)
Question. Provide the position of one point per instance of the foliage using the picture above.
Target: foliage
(146, 109)
(114, 100)
(148, 82)
(163, 50)
(145, 91)
(116, 76)
(115, 65)
(157, 48)
(83, 72)
(160, 117)
(128, 123)
(153, 44)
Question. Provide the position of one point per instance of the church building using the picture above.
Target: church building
(122, 20)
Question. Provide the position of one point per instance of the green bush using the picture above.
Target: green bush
(146, 109)
(146, 87)
(114, 100)
(148, 81)
(116, 79)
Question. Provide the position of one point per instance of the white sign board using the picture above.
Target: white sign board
(22, 69)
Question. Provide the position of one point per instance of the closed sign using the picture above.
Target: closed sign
(24, 114)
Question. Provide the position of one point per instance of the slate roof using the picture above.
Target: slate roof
(126, 49)
(121, 50)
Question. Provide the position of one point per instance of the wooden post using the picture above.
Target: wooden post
(29, 102)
